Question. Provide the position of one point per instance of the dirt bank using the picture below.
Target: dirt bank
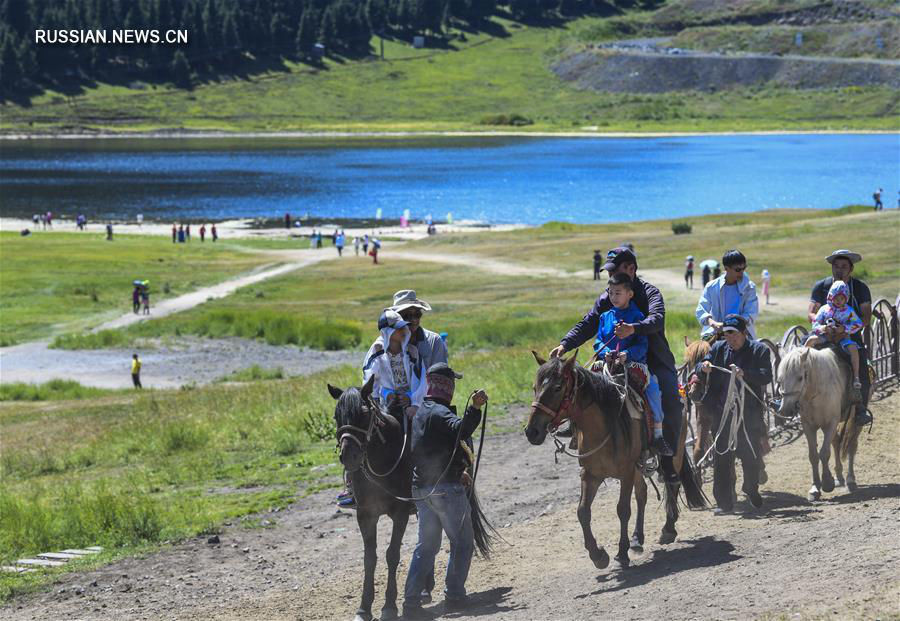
(792, 558)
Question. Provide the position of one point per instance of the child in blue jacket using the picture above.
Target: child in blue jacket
(630, 351)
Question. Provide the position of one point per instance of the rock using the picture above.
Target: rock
(213, 539)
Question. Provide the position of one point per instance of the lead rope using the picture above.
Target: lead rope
(733, 412)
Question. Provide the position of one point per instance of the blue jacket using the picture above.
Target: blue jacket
(713, 298)
(635, 345)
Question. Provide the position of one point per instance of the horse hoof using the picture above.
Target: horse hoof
(851, 485)
(666, 537)
(637, 545)
(600, 559)
(827, 484)
(813, 495)
(840, 482)
(389, 614)
(620, 562)
(362, 617)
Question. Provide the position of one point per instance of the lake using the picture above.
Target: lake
(495, 179)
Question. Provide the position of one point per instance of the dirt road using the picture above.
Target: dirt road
(833, 559)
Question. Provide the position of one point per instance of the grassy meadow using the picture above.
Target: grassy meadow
(465, 87)
(131, 471)
(51, 279)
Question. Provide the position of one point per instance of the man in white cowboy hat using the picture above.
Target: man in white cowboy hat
(431, 346)
(842, 263)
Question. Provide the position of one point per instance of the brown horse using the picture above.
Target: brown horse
(703, 419)
(610, 444)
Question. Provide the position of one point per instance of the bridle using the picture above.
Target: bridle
(376, 422)
(568, 401)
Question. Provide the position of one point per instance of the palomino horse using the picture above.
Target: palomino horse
(815, 381)
(610, 444)
(373, 452)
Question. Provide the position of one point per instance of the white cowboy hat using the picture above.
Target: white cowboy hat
(407, 299)
(853, 257)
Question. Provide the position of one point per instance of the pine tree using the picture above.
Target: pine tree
(306, 32)
(10, 68)
(181, 70)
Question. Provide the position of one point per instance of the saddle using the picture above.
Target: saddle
(844, 357)
(636, 401)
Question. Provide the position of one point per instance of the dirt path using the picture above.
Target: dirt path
(793, 558)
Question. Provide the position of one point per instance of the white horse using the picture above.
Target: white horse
(815, 381)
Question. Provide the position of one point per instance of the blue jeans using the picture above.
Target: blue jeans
(654, 396)
(447, 510)
(671, 401)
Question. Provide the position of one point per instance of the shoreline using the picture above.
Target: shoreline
(583, 133)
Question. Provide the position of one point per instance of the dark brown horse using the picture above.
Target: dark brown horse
(609, 442)
(372, 451)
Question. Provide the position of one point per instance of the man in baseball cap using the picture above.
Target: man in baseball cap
(842, 263)
(750, 361)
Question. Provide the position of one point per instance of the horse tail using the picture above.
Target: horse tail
(692, 484)
(847, 433)
(485, 533)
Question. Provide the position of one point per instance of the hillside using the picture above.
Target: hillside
(548, 75)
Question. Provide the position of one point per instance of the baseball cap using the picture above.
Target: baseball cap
(442, 368)
(734, 323)
(618, 256)
(391, 319)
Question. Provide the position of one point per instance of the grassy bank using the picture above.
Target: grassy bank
(79, 279)
(470, 87)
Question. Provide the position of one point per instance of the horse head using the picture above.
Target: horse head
(793, 373)
(553, 388)
(354, 417)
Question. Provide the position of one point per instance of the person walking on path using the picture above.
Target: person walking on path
(339, 244)
(440, 487)
(750, 361)
(356, 244)
(136, 371)
(50, 216)
(689, 272)
(202, 233)
(109, 231)
(598, 264)
(766, 281)
(187, 232)
(707, 273)
(215, 233)
(660, 360)
(145, 300)
(376, 245)
(180, 233)
(174, 234)
(842, 264)
(877, 197)
(136, 299)
(365, 244)
(733, 293)
(287, 220)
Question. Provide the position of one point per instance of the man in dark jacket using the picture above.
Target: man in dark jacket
(439, 485)
(659, 357)
(751, 362)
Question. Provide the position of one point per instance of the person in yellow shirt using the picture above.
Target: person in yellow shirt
(136, 371)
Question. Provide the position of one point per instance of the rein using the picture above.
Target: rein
(569, 399)
(733, 411)
(375, 422)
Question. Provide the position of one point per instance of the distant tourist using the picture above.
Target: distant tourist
(180, 233)
(80, 222)
(109, 231)
(287, 220)
(215, 233)
(136, 299)
(339, 244)
(174, 233)
(365, 244)
(717, 272)
(598, 264)
(145, 299)
(187, 232)
(202, 233)
(50, 217)
(877, 196)
(318, 240)
(376, 246)
(136, 371)
(689, 272)
(35, 219)
(766, 279)
(706, 274)
(334, 237)
(140, 219)
(356, 244)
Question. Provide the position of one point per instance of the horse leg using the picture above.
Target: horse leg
(810, 432)
(851, 455)
(640, 495)
(368, 528)
(623, 510)
(589, 486)
(825, 458)
(400, 517)
(836, 447)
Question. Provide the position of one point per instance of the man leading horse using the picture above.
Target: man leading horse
(660, 360)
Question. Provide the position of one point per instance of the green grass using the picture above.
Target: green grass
(79, 279)
(439, 90)
(54, 390)
(254, 373)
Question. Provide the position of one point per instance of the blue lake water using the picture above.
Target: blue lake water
(498, 180)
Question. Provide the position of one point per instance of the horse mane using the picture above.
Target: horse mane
(604, 393)
(695, 352)
(347, 405)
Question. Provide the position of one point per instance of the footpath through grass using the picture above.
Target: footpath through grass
(80, 279)
(470, 87)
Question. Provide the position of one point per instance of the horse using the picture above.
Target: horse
(374, 453)
(815, 382)
(611, 441)
(693, 354)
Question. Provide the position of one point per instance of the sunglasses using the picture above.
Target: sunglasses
(738, 269)
(411, 314)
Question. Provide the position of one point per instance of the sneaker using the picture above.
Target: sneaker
(862, 417)
(721, 511)
(425, 597)
(662, 447)
(347, 502)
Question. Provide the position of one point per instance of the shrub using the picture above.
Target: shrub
(55, 389)
(105, 339)
(514, 120)
(681, 228)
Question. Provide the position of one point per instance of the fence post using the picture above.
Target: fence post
(895, 341)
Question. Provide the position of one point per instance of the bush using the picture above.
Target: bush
(681, 228)
(514, 120)
(105, 339)
(50, 391)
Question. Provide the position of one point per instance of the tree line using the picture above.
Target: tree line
(224, 33)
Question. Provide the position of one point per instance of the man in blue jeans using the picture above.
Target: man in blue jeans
(440, 483)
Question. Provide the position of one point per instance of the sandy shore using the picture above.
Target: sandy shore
(589, 131)
(241, 229)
